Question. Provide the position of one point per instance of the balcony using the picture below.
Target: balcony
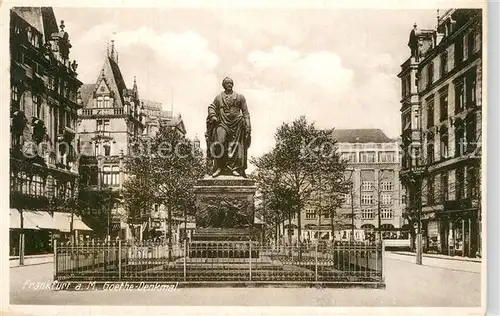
(105, 135)
(102, 112)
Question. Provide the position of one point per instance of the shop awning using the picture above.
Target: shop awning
(45, 220)
(15, 220)
(62, 222)
(40, 219)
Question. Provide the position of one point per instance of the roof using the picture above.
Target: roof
(42, 19)
(151, 105)
(114, 79)
(361, 136)
(86, 92)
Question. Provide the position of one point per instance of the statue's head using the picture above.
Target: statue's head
(227, 84)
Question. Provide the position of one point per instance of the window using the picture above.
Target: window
(102, 125)
(37, 106)
(459, 97)
(386, 199)
(459, 50)
(444, 187)
(472, 182)
(115, 176)
(444, 64)
(366, 199)
(430, 148)
(349, 157)
(443, 105)
(386, 186)
(367, 214)
(430, 74)
(430, 190)
(471, 133)
(406, 121)
(386, 157)
(460, 139)
(470, 44)
(310, 214)
(386, 213)
(100, 102)
(367, 157)
(107, 149)
(367, 186)
(29, 33)
(471, 95)
(430, 112)
(106, 102)
(444, 143)
(15, 93)
(37, 186)
(97, 149)
(106, 175)
(460, 183)
(51, 83)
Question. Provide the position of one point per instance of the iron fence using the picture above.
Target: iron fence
(219, 262)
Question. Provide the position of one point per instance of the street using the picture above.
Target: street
(437, 283)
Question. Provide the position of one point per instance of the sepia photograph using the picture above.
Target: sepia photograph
(286, 156)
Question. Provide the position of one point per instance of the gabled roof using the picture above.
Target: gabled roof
(368, 135)
(42, 19)
(114, 80)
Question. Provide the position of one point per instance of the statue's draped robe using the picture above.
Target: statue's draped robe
(232, 114)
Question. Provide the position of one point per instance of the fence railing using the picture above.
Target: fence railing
(217, 262)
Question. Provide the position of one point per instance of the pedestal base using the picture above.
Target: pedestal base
(224, 218)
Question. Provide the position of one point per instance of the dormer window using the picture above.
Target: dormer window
(106, 102)
(100, 102)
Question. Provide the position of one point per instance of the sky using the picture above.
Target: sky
(336, 67)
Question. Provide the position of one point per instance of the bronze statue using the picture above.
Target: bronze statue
(228, 132)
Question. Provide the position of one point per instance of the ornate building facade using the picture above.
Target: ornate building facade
(109, 120)
(43, 111)
(441, 116)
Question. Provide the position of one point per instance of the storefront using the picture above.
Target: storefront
(40, 228)
(460, 232)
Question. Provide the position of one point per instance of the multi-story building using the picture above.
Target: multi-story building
(373, 167)
(109, 120)
(441, 132)
(156, 117)
(43, 161)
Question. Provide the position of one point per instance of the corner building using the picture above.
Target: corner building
(441, 115)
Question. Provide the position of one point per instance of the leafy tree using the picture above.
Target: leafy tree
(163, 170)
(303, 164)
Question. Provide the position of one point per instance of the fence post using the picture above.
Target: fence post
(55, 259)
(119, 259)
(250, 260)
(185, 258)
(382, 253)
(316, 262)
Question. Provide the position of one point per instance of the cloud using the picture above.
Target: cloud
(186, 50)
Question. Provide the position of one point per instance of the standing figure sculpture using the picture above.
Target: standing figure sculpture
(228, 132)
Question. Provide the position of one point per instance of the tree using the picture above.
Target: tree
(163, 170)
(303, 163)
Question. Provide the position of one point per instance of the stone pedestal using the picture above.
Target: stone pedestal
(224, 214)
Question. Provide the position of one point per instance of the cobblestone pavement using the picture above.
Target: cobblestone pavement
(437, 283)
